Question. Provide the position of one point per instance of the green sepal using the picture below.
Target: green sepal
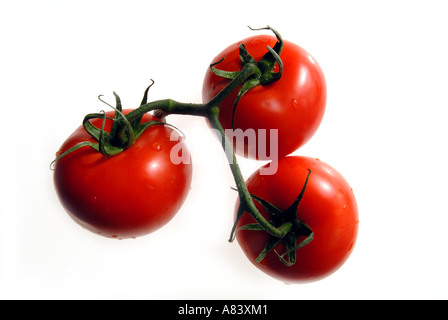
(77, 146)
(268, 77)
(118, 112)
(90, 128)
(265, 67)
(109, 150)
(137, 120)
(291, 249)
(239, 214)
(267, 63)
(145, 94)
(291, 211)
(245, 56)
(104, 138)
(271, 244)
(273, 211)
(286, 220)
(248, 85)
(231, 75)
(251, 227)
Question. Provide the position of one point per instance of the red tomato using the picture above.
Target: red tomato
(294, 105)
(130, 194)
(328, 207)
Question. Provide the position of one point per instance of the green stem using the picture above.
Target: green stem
(244, 195)
(210, 111)
(169, 106)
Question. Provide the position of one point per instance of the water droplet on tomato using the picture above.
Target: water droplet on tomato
(213, 86)
(295, 103)
(157, 146)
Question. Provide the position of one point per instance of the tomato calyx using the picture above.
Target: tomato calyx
(122, 135)
(284, 220)
(265, 66)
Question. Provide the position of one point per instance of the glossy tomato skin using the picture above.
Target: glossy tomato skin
(294, 105)
(128, 195)
(328, 207)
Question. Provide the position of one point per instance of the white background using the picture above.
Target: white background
(385, 130)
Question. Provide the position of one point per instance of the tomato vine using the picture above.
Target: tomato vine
(127, 128)
(283, 226)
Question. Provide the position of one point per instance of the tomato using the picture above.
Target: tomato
(328, 207)
(130, 194)
(293, 105)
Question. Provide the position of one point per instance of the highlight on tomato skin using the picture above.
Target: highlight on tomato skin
(294, 105)
(130, 194)
(328, 207)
